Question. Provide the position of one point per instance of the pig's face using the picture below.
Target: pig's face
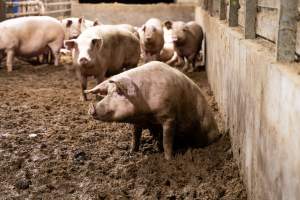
(116, 104)
(149, 34)
(85, 50)
(73, 28)
(179, 31)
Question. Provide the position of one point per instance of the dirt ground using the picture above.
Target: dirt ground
(51, 149)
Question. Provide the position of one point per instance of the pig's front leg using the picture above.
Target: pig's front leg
(83, 83)
(192, 62)
(9, 60)
(136, 138)
(99, 79)
(157, 135)
(55, 48)
(168, 138)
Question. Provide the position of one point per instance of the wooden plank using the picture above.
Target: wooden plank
(233, 13)
(250, 19)
(242, 13)
(266, 23)
(287, 27)
(2, 10)
(268, 3)
(298, 39)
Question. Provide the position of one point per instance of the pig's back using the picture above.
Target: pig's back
(196, 30)
(120, 48)
(34, 27)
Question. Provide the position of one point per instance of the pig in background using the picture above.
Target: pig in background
(159, 98)
(74, 26)
(29, 37)
(152, 39)
(187, 39)
(168, 53)
(103, 50)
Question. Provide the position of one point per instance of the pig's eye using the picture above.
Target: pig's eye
(119, 92)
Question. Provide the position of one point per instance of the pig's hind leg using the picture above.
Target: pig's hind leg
(9, 60)
(55, 48)
(168, 138)
(136, 138)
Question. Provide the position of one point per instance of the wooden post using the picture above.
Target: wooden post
(234, 7)
(2, 10)
(287, 30)
(222, 10)
(250, 19)
(210, 7)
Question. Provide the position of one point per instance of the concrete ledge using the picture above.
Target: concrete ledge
(260, 101)
(136, 15)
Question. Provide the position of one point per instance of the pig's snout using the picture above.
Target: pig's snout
(148, 39)
(174, 38)
(83, 61)
(92, 110)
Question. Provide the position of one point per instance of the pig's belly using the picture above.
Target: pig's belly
(32, 50)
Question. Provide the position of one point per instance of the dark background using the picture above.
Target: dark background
(127, 1)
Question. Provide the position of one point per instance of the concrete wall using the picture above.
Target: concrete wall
(260, 101)
(132, 14)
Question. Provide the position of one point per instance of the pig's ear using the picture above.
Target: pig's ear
(81, 20)
(69, 23)
(97, 22)
(97, 42)
(99, 89)
(185, 28)
(125, 87)
(143, 28)
(70, 44)
(168, 24)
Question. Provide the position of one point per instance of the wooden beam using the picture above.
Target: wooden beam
(287, 30)
(234, 7)
(222, 10)
(250, 19)
(2, 10)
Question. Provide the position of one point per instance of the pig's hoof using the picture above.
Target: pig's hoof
(134, 149)
(190, 70)
(83, 99)
(168, 156)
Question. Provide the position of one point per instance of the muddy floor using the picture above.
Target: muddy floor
(51, 149)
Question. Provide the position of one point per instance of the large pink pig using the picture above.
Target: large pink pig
(30, 36)
(160, 98)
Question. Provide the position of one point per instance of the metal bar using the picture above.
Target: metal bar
(250, 19)
(287, 30)
(58, 11)
(22, 3)
(58, 3)
(10, 15)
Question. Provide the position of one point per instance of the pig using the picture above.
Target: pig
(129, 28)
(160, 98)
(152, 39)
(30, 36)
(103, 50)
(187, 39)
(74, 26)
(168, 53)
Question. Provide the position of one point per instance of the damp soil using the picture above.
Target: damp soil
(51, 149)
